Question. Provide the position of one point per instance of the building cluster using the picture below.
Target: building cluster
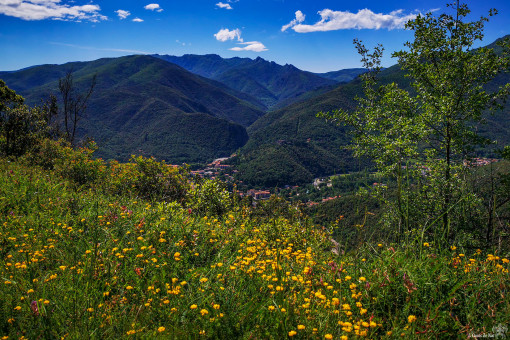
(214, 169)
(311, 203)
(319, 181)
(330, 198)
(479, 162)
(217, 168)
(259, 194)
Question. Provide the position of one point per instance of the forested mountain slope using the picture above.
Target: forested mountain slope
(142, 104)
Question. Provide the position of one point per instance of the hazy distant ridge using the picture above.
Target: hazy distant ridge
(271, 83)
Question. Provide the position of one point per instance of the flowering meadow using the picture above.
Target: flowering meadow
(142, 250)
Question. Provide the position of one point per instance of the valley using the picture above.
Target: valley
(193, 109)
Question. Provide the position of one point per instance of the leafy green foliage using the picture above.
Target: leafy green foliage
(149, 179)
(21, 127)
(423, 138)
(210, 198)
(78, 260)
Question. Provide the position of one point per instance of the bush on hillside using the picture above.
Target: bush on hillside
(149, 179)
(210, 197)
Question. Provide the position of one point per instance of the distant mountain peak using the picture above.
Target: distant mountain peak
(267, 81)
(290, 67)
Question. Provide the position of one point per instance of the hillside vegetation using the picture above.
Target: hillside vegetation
(142, 104)
(306, 135)
(141, 250)
(144, 249)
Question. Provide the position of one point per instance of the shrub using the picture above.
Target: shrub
(149, 179)
(76, 165)
(79, 166)
(210, 197)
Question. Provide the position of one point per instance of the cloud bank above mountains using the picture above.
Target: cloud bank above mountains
(340, 20)
(254, 46)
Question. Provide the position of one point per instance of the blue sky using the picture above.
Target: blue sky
(312, 35)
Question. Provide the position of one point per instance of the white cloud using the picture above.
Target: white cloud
(122, 13)
(50, 9)
(254, 46)
(223, 5)
(300, 17)
(225, 34)
(137, 20)
(364, 19)
(154, 7)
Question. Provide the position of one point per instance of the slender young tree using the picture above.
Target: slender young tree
(74, 104)
(423, 136)
(449, 77)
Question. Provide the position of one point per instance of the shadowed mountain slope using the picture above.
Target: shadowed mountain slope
(142, 104)
(271, 83)
(343, 76)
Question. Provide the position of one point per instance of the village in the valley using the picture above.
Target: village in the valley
(218, 169)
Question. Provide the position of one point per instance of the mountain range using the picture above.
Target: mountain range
(143, 104)
(195, 108)
(174, 108)
(272, 84)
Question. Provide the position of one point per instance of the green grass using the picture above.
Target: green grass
(83, 259)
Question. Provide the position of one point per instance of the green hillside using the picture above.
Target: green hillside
(292, 146)
(142, 104)
(343, 76)
(143, 250)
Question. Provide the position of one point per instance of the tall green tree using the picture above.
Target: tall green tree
(422, 137)
(21, 127)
